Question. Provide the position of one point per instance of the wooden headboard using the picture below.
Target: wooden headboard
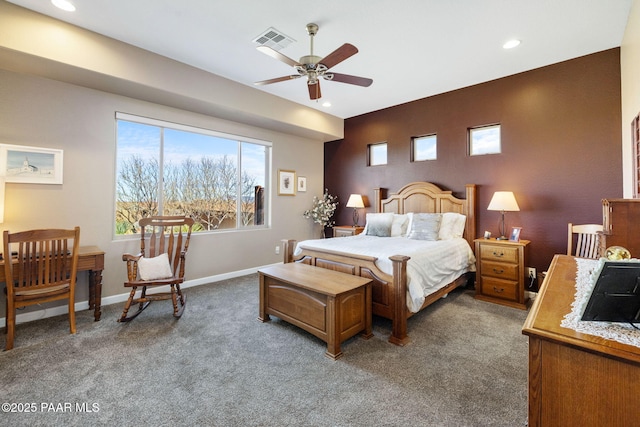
(429, 198)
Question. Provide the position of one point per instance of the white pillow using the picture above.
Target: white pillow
(452, 225)
(379, 224)
(399, 225)
(410, 222)
(425, 226)
(154, 268)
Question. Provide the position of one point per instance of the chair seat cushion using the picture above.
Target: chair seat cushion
(154, 268)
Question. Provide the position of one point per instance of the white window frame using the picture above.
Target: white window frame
(208, 132)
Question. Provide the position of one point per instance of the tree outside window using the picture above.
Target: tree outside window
(217, 179)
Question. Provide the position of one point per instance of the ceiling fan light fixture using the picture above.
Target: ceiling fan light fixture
(511, 44)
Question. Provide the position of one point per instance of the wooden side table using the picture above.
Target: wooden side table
(500, 271)
(346, 230)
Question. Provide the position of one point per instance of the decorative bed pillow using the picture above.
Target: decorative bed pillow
(425, 226)
(379, 224)
(154, 268)
(451, 225)
(399, 225)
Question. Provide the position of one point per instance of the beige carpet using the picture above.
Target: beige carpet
(220, 366)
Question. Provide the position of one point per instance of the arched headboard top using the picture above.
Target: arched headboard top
(426, 197)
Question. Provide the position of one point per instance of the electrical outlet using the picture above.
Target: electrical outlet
(277, 250)
(531, 273)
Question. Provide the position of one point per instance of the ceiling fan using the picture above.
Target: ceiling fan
(314, 67)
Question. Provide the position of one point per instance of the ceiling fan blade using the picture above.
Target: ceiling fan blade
(277, 80)
(314, 90)
(346, 78)
(340, 54)
(277, 55)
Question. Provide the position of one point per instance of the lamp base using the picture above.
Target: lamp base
(355, 217)
(502, 238)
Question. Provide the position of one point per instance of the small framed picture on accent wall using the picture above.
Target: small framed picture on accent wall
(515, 234)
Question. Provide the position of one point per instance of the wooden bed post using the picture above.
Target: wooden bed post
(470, 227)
(287, 250)
(379, 194)
(399, 322)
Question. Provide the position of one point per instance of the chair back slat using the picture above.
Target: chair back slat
(587, 240)
(166, 234)
(44, 258)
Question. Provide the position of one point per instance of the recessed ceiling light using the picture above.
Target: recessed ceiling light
(326, 104)
(511, 44)
(64, 5)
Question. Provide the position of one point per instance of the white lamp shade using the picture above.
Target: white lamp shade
(355, 201)
(503, 201)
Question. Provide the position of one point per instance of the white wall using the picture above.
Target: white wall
(48, 102)
(630, 69)
(40, 112)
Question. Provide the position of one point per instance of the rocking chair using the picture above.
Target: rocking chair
(163, 264)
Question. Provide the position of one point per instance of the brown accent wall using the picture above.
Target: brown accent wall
(561, 148)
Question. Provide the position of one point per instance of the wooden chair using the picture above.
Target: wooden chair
(43, 269)
(161, 264)
(587, 238)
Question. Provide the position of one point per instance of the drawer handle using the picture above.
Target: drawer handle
(498, 254)
(495, 270)
(498, 290)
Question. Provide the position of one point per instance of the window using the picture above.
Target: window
(484, 140)
(377, 154)
(217, 179)
(423, 148)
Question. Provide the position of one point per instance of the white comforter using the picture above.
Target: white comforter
(433, 264)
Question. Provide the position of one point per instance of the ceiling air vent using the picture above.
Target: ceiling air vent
(274, 39)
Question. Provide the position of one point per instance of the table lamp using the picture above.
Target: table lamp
(355, 201)
(503, 201)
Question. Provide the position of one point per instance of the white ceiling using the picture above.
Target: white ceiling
(410, 48)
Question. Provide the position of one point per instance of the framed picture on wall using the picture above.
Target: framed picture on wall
(30, 165)
(515, 234)
(286, 183)
(302, 184)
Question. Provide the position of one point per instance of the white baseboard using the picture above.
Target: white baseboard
(120, 298)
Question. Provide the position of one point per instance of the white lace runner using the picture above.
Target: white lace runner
(587, 271)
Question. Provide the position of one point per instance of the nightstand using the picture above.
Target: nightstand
(346, 230)
(500, 271)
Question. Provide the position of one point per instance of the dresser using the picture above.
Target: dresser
(500, 271)
(576, 379)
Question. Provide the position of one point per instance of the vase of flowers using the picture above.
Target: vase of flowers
(322, 210)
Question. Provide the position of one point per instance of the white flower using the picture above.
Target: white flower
(322, 209)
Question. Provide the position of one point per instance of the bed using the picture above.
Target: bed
(391, 280)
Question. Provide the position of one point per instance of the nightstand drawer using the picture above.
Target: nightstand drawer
(504, 289)
(346, 230)
(499, 253)
(501, 270)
